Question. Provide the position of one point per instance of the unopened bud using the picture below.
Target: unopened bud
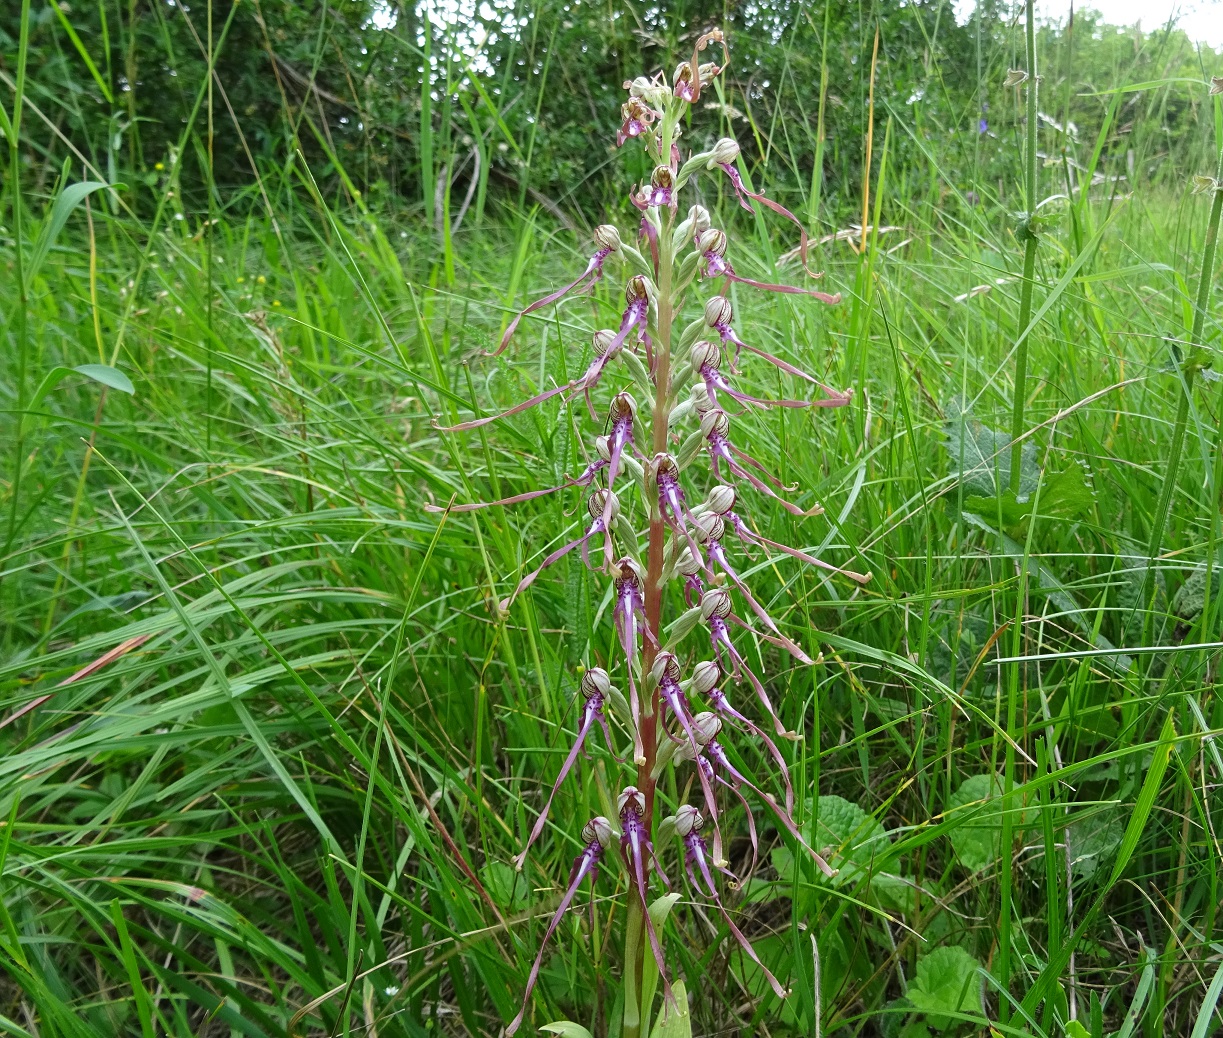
(688, 820)
(603, 447)
(705, 676)
(687, 563)
(599, 829)
(711, 241)
(602, 340)
(630, 799)
(721, 499)
(603, 499)
(698, 215)
(704, 354)
(705, 726)
(665, 665)
(709, 527)
(596, 682)
(607, 237)
(718, 311)
(715, 603)
(725, 152)
(714, 421)
(1015, 77)
(701, 400)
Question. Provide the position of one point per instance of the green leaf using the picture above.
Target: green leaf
(567, 1029)
(67, 200)
(852, 841)
(659, 911)
(976, 840)
(674, 1020)
(946, 982)
(1074, 1029)
(505, 885)
(981, 456)
(108, 376)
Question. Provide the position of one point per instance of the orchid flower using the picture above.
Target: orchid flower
(724, 155)
(622, 412)
(712, 263)
(717, 756)
(638, 854)
(715, 427)
(688, 825)
(600, 504)
(598, 834)
(671, 502)
(705, 358)
(719, 312)
(639, 292)
(705, 679)
(596, 684)
(715, 608)
(607, 238)
(630, 621)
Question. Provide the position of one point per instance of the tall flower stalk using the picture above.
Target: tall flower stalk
(661, 519)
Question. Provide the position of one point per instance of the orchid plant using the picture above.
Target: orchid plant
(672, 403)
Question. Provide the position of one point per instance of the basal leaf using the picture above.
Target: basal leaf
(946, 982)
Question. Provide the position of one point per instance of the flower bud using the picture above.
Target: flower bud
(705, 676)
(701, 400)
(640, 287)
(603, 447)
(664, 465)
(698, 215)
(665, 665)
(711, 241)
(721, 498)
(649, 90)
(630, 799)
(715, 603)
(596, 681)
(718, 311)
(705, 726)
(688, 820)
(687, 563)
(704, 353)
(602, 340)
(622, 406)
(714, 421)
(603, 499)
(599, 829)
(663, 176)
(709, 527)
(725, 152)
(607, 237)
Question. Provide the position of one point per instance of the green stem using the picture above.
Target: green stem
(1029, 259)
(22, 329)
(1195, 361)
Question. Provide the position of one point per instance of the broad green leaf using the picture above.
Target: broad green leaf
(67, 200)
(108, 376)
(659, 911)
(852, 841)
(567, 1029)
(1074, 1029)
(673, 1019)
(506, 886)
(946, 982)
(976, 840)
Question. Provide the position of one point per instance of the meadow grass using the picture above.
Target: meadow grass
(287, 806)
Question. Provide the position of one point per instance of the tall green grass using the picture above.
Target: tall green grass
(288, 806)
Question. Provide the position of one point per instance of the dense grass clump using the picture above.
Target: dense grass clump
(269, 745)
